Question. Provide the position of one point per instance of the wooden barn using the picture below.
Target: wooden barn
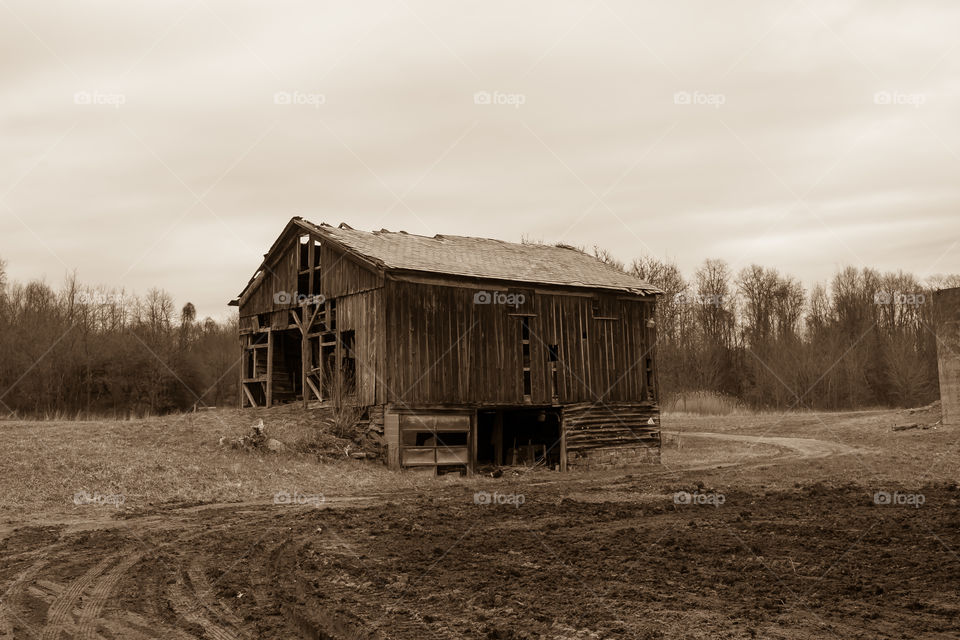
(466, 352)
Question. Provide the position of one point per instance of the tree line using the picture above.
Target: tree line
(759, 336)
(92, 351)
(863, 339)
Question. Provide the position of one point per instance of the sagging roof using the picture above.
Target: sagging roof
(483, 258)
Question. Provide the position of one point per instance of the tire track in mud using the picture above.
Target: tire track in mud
(11, 593)
(58, 614)
(320, 621)
(185, 607)
(202, 590)
(189, 596)
(97, 597)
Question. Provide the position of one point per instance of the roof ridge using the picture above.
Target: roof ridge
(484, 258)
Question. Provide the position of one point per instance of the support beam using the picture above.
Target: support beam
(304, 359)
(269, 392)
(249, 395)
(243, 366)
(313, 387)
(310, 260)
(296, 320)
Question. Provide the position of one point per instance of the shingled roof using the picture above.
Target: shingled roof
(483, 258)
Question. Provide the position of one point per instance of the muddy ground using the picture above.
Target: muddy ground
(618, 555)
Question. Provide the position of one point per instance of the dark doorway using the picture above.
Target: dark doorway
(518, 437)
(287, 366)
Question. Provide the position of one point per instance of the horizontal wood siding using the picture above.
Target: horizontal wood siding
(611, 435)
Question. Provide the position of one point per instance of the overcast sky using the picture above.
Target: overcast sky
(167, 143)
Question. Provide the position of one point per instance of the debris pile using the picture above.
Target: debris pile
(256, 439)
(928, 417)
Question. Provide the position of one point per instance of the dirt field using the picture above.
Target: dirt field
(755, 526)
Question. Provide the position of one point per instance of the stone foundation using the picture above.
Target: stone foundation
(612, 458)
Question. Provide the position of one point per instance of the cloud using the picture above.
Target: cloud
(186, 180)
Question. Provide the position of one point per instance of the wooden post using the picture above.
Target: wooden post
(243, 366)
(310, 259)
(563, 443)
(269, 393)
(338, 385)
(498, 438)
(304, 389)
(304, 361)
(472, 442)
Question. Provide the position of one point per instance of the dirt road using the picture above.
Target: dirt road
(802, 447)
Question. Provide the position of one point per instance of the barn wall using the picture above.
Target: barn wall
(611, 435)
(443, 348)
(280, 276)
(351, 291)
(341, 274)
(947, 313)
(362, 313)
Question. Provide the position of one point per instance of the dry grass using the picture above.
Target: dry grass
(704, 403)
(178, 459)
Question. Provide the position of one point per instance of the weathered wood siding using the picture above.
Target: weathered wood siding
(611, 435)
(443, 348)
(341, 274)
(279, 275)
(362, 313)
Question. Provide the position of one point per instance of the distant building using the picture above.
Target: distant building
(947, 314)
(464, 351)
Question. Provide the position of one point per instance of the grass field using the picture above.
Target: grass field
(753, 526)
